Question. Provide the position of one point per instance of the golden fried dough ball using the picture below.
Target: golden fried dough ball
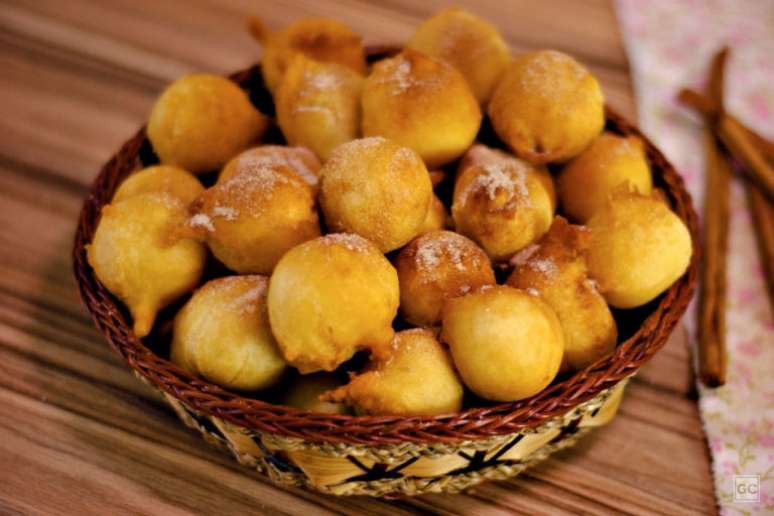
(251, 219)
(638, 249)
(609, 163)
(200, 121)
(136, 254)
(377, 189)
(436, 216)
(469, 43)
(321, 39)
(555, 269)
(506, 344)
(500, 201)
(222, 334)
(547, 107)
(421, 103)
(300, 159)
(305, 390)
(330, 297)
(160, 178)
(412, 376)
(436, 267)
(318, 105)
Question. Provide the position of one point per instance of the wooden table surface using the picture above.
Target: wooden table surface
(78, 434)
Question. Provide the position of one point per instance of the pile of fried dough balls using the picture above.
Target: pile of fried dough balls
(338, 244)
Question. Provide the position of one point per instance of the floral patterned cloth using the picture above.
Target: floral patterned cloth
(670, 44)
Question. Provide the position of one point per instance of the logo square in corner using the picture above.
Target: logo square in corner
(747, 488)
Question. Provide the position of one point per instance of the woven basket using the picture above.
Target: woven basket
(387, 455)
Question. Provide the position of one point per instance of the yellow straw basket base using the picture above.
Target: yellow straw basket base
(405, 469)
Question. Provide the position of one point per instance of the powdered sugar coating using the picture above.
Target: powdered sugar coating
(398, 75)
(245, 302)
(446, 246)
(300, 159)
(507, 178)
(543, 73)
(201, 220)
(349, 241)
(246, 192)
(225, 212)
(543, 265)
(524, 255)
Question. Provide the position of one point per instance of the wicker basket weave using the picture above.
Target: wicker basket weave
(387, 455)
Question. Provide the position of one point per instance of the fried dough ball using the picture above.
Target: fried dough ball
(251, 219)
(300, 159)
(136, 254)
(547, 107)
(471, 44)
(555, 269)
(322, 39)
(639, 247)
(200, 121)
(330, 297)
(222, 334)
(421, 103)
(500, 201)
(436, 267)
(506, 344)
(436, 216)
(377, 189)
(610, 162)
(412, 376)
(160, 178)
(305, 391)
(318, 105)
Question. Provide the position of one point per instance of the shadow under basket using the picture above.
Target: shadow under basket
(388, 455)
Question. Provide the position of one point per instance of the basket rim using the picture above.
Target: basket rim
(469, 424)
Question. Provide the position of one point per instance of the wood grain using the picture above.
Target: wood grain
(78, 434)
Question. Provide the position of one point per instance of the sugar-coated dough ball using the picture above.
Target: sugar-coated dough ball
(330, 297)
(412, 376)
(471, 44)
(436, 218)
(507, 345)
(318, 105)
(305, 390)
(322, 39)
(222, 334)
(500, 201)
(639, 247)
(547, 107)
(377, 189)
(200, 121)
(611, 162)
(139, 257)
(421, 103)
(436, 267)
(251, 219)
(160, 178)
(300, 159)
(555, 269)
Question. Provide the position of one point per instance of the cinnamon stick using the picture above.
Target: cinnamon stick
(740, 141)
(735, 138)
(761, 207)
(763, 218)
(712, 300)
(712, 323)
